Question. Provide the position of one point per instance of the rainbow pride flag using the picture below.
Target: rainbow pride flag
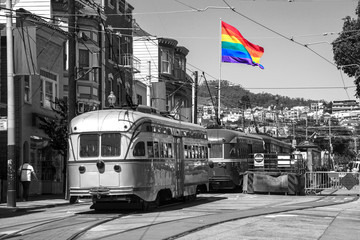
(236, 49)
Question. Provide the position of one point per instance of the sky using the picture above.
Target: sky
(290, 69)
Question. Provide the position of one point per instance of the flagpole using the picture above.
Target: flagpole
(219, 87)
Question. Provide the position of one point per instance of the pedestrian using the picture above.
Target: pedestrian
(25, 172)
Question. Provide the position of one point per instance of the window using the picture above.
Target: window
(110, 41)
(110, 144)
(121, 6)
(112, 3)
(139, 99)
(150, 149)
(165, 149)
(84, 64)
(156, 149)
(89, 145)
(48, 88)
(165, 61)
(216, 151)
(139, 149)
(170, 152)
(27, 89)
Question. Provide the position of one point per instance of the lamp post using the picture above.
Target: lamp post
(111, 99)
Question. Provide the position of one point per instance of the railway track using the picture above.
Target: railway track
(170, 221)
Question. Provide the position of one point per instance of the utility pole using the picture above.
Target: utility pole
(194, 97)
(72, 78)
(72, 60)
(148, 87)
(11, 163)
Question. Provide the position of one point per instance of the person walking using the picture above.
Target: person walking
(25, 173)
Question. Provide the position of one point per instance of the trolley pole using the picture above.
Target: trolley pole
(11, 167)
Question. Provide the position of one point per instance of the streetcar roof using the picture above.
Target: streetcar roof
(122, 120)
(274, 140)
(227, 135)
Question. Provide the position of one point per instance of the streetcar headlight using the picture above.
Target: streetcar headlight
(82, 169)
(117, 168)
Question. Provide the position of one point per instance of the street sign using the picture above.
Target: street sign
(258, 159)
(349, 181)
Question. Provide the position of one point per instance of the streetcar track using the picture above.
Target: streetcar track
(280, 209)
(17, 233)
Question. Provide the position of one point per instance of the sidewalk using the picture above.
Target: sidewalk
(34, 203)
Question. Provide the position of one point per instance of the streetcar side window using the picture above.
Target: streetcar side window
(186, 151)
(89, 145)
(196, 152)
(161, 145)
(170, 154)
(156, 149)
(110, 144)
(150, 149)
(165, 150)
(139, 149)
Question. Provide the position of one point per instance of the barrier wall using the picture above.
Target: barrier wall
(273, 182)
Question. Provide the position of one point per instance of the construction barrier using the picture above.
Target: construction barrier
(273, 182)
(328, 182)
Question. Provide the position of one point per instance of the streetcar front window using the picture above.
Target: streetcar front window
(216, 151)
(89, 145)
(110, 144)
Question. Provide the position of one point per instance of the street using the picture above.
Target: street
(210, 216)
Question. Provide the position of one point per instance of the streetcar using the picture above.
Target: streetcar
(273, 145)
(232, 154)
(135, 156)
(229, 151)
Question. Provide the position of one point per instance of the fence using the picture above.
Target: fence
(331, 182)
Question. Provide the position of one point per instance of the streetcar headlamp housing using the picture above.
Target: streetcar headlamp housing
(82, 169)
(117, 168)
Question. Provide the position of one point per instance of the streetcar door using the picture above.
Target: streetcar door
(179, 167)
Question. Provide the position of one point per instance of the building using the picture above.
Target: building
(345, 105)
(104, 65)
(118, 61)
(163, 71)
(39, 72)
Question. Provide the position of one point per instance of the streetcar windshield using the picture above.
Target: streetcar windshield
(90, 145)
(216, 151)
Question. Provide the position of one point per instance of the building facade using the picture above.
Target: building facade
(104, 65)
(38, 69)
(163, 71)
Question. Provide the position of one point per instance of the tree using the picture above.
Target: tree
(346, 48)
(57, 130)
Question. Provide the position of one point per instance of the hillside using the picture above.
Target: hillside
(231, 95)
